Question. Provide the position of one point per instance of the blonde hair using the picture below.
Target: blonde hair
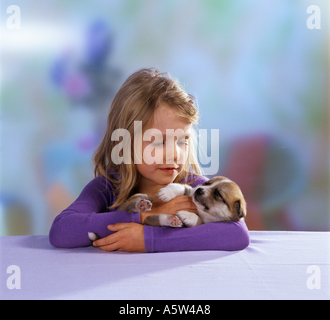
(137, 100)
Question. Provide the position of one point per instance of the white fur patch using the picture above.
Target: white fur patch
(171, 191)
(225, 180)
(163, 220)
(92, 236)
(189, 219)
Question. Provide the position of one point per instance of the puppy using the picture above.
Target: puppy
(218, 199)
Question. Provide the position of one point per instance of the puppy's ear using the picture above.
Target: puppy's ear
(239, 210)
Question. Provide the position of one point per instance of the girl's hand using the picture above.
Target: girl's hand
(127, 237)
(172, 207)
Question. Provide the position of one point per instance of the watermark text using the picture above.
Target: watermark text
(314, 20)
(14, 20)
(14, 281)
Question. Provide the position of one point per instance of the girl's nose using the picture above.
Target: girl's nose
(172, 153)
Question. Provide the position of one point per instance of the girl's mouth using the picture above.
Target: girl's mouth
(169, 170)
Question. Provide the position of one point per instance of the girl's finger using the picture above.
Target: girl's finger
(116, 227)
(113, 238)
(186, 206)
(111, 247)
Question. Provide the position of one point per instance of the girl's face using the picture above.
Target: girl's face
(165, 150)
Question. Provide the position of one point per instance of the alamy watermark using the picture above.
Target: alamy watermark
(14, 281)
(314, 280)
(175, 142)
(314, 20)
(14, 20)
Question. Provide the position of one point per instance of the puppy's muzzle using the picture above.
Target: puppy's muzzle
(198, 196)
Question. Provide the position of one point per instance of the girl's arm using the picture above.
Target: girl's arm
(211, 236)
(70, 228)
(89, 213)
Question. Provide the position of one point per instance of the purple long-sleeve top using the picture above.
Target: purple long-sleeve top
(90, 213)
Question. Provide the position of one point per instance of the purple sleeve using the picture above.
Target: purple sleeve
(211, 236)
(88, 213)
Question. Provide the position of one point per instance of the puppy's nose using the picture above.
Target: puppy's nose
(199, 192)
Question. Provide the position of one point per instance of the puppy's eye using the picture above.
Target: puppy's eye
(219, 197)
(217, 194)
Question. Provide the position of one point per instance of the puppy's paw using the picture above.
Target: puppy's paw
(171, 191)
(170, 220)
(175, 221)
(164, 220)
(92, 236)
(143, 205)
(189, 219)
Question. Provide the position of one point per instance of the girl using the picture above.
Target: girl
(159, 103)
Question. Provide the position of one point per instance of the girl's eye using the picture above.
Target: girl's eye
(155, 143)
(183, 143)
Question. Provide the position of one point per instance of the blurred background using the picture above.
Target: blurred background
(260, 76)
